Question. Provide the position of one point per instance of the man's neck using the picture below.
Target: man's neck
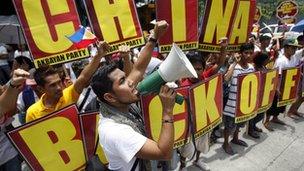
(49, 101)
(122, 107)
(287, 56)
(243, 64)
(263, 49)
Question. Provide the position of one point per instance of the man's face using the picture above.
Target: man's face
(247, 55)
(212, 59)
(290, 50)
(199, 69)
(53, 86)
(123, 89)
(265, 43)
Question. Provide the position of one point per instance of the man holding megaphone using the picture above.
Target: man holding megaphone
(121, 129)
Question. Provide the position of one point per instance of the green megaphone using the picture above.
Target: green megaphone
(175, 67)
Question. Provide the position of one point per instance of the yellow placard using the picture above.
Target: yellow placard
(53, 142)
(247, 101)
(289, 86)
(152, 110)
(207, 105)
(46, 25)
(115, 22)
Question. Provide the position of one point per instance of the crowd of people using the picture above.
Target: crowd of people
(107, 83)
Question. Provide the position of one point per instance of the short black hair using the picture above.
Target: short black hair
(78, 66)
(246, 46)
(259, 58)
(24, 60)
(196, 57)
(101, 82)
(42, 72)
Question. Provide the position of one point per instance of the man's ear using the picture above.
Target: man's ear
(110, 97)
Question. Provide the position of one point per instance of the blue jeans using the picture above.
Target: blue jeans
(13, 164)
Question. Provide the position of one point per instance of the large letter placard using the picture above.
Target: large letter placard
(152, 110)
(45, 24)
(217, 23)
(268, 85)
(247, 102)
(89, 130)
(182, 17)
(207, 104)
(242, 24)
(53, 142)
(289, 86)
(115, 22)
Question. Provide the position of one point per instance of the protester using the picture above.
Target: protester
(87, 94)
(197, 61)
(28, 96)
(264, 44)
(284, 60)
(241, 67)
(298, 58)
(21, 57)
(91, 103)
(202, 143)
(9, 159)
(259, 60)
(56, 96)
(121, 129)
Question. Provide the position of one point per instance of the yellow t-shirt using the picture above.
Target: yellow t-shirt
(38, 110)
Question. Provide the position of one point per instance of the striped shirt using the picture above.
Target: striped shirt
(229, 109)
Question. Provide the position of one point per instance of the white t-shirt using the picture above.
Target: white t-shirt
(283, 62)
(298, 56)
(120, 143)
